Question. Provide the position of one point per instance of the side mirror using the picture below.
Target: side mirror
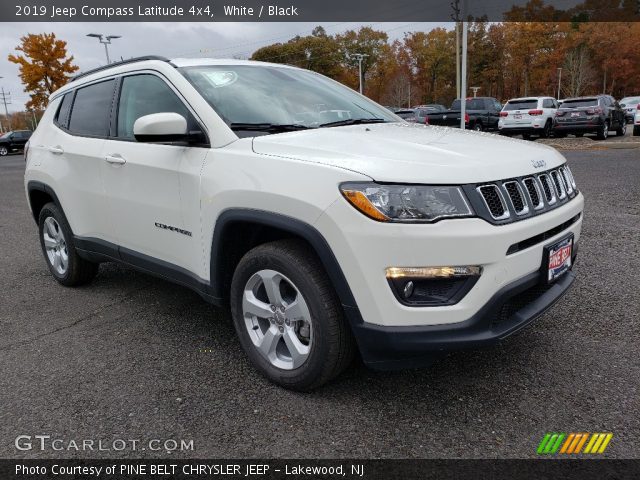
(161, 127)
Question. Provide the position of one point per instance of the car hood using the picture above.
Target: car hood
(402, 152)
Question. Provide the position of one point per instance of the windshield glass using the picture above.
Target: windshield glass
(4, 135)
(244, 94)
(630, 101)
(581, 102)
(520, 105)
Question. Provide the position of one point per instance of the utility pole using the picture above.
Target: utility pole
(559, 81)
(359, 57)
(105, 40)
(6, 99)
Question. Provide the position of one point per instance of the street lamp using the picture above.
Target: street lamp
(105, 40)
(360, 57)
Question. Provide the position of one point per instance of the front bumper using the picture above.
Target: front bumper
(390, 334)
(512, 308)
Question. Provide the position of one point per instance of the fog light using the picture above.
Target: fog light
(432, 286)
(408, 289)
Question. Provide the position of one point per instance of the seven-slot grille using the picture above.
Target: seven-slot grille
(529, 195)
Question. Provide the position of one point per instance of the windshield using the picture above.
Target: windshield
(581, 102)
(520, 105)
(630, 101)
(5, 135)
(261, 96)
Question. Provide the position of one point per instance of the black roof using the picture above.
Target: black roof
(117, 64)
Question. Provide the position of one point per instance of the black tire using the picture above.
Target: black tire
(478, 127)
(332, 347)
(559, 134)
(636, 131)
(603, 131)
(526, 136)
(621, 131)
(546, 131)
(4, 150)
(78, 271)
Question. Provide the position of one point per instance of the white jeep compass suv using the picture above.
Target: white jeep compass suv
(327, 223)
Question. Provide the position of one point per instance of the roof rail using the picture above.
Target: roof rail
(117, 64)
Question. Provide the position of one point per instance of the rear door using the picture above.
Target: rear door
(71, 154)
(143, 180)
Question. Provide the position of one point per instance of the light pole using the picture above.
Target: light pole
(360, 57)
(559, 81)
(463, 86)
(105, 40)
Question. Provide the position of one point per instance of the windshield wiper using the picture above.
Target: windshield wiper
(353, 121)
(267, 127)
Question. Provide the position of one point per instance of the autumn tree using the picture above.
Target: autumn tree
(578, 72)
(44, 66)
(367, 41)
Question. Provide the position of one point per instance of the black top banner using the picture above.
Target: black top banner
(318, 11)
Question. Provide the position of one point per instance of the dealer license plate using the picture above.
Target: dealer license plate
(558, 258)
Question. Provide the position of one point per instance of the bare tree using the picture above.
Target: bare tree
(398, 91)
(578, 74)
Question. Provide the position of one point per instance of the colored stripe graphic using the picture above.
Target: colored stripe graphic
(573, 443)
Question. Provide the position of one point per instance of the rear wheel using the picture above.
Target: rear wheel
(478, 127)
(56, 240)
(546, 131)
(621, 131)
(288, 317)
(603, 131)
(526, 136)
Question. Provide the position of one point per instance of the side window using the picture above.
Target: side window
(497, 105)
(62, 115)
(547, 103)
(91, 109)
(145, 94)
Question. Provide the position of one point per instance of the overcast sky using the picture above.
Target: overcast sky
(220, 40)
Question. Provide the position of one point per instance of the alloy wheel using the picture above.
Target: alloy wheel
(277, 319)
(3, 151)
(55, 245)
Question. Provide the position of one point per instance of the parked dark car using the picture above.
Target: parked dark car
(482, 113)
(13, 141)
(407, 114)
(598, 114)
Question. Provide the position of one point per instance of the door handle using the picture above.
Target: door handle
(57, 150)
(115, 159)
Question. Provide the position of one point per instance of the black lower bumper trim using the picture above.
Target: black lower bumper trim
(512, 308)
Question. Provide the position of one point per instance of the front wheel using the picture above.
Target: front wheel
(622, 130)
(288, 317)
(478, 127)
(603, 131)
(56, 240)
(4, 151)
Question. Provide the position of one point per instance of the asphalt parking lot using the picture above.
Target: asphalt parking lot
(134, 357)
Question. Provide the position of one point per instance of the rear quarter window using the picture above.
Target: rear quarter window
(90, 114)
(62, 115)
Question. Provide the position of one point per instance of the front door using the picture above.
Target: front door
(142, 180)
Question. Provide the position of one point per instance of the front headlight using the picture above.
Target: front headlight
(407, 203)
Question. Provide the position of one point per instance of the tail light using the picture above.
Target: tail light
(535, 112)
(504, 114)
(560, 113)
(593, 111)
(426, 120)
(466, 118)
(638, 107)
